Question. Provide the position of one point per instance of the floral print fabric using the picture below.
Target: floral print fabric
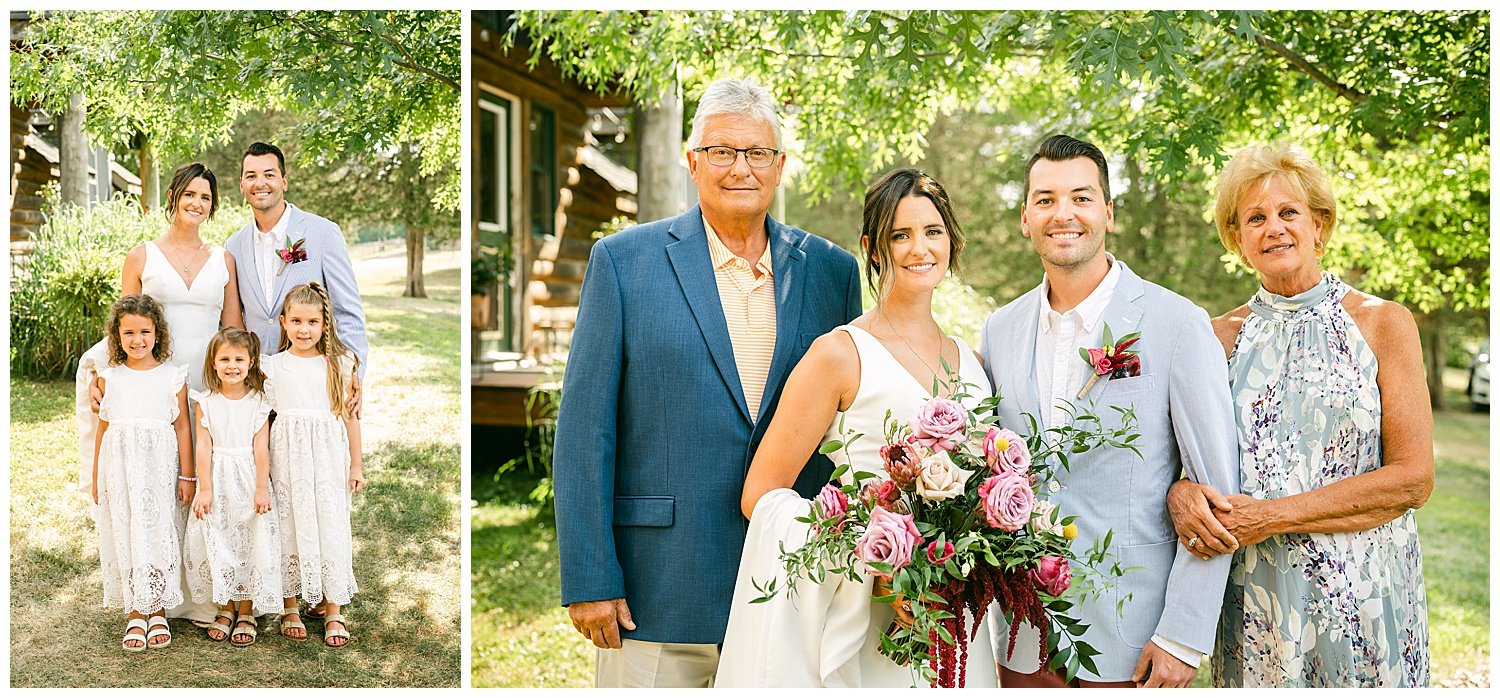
(1316, 609)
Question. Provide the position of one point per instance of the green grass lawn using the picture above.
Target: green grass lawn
(521, 637)
(406, 618)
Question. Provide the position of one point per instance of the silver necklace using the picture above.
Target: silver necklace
(191, 259)
(913, 351)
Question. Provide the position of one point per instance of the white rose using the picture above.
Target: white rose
(1041, 518)
(941, 478)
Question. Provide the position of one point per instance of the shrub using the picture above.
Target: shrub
(63, 290)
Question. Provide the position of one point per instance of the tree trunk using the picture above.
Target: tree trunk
(659, 192)
(415, 286)
(150, 177)
(73, 150)
(1434, 355)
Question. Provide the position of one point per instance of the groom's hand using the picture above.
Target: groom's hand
(95, 394)
(600, 621)
(1157, 668)
(352, 406)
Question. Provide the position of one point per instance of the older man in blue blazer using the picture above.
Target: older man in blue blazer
(687, 328)
(264, 278)
(1155, 626)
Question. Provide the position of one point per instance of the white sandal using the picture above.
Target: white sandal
(330, 633)
(225, 614)
(251, 631)
(134, 624)
(159, 628)
(293, 624)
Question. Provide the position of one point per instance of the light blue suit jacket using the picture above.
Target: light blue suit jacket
(654, 437)
(327, 263)
(1186, 423)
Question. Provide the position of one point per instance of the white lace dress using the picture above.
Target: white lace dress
(829, 634)
(234, 554)
(310, 477)
(139, 545)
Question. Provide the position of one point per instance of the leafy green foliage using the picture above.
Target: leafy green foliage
(63, 292)
(364, 82)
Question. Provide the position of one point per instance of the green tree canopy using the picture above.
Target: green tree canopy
(360, 82)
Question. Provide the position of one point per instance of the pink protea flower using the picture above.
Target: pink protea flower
(901, 463)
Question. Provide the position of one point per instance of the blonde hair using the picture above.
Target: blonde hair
(333, 350)
(235, 337)
(1256, 164)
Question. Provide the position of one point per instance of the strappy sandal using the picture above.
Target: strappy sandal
(313, 612)
(159, 628)
(292, 624)
(241, 631)
(134, 624)
(223, 628)
(330, 633)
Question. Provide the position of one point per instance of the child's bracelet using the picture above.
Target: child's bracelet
(186, 478)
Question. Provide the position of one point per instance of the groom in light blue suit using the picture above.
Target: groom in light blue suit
(263, 277)
(1171, 601)
(687, 327)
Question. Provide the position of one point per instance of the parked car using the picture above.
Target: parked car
(1479, 379)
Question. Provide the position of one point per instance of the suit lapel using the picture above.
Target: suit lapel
(1123, 315)
(1025, 369)
(695, 274)
(244, 249)
(294, 223)
(787, 274)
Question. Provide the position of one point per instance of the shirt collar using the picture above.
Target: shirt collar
(277, 232)
(721, 257)
(1091, 310)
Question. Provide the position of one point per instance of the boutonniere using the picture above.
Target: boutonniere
(1112, 359)
(291, 254)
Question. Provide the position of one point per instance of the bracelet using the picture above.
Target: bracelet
(185, 478)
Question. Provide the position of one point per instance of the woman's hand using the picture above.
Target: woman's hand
(1248, 519)
(262, 501)
(1194, 508)
(904, 618)
(203, 502)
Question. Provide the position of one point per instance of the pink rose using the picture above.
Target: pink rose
(1101, 361)
(941, 478)
(832, 503)
(1052, 575)
(1007, 500)
(940, 424)
(937, 555)
(901, 462)
(880, 493)
(1006, 450)
(888, 538)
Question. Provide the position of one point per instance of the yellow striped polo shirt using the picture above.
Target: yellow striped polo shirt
(749, 299)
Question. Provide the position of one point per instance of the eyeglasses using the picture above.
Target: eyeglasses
(724, 156)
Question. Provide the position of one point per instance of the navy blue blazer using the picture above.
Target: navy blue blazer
(653, 434)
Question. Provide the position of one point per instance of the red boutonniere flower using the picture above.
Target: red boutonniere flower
(1112, 359)
(291, 254)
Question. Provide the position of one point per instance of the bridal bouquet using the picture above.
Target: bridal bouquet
(949, 521)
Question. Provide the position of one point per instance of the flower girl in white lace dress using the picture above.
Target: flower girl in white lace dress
(141, 443)
(315, 462)
(233, 551)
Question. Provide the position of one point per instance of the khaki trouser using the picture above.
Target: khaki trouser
(657, 665)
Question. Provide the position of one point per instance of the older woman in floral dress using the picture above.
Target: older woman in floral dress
(1335, 431)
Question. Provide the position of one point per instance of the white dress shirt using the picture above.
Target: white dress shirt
(266, 244)
(1061, 373)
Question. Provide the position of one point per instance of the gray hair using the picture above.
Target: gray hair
(738, 97)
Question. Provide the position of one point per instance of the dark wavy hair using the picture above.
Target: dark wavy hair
(234, 337)
(183, 177)
(880, 217)
(258, 148)
(334, 351)
(144, 306)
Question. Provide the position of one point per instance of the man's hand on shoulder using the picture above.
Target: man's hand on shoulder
(1157, 668)
(600, 621)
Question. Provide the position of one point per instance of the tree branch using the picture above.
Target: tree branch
(414, 65)
(408, 63)
(1307, 67)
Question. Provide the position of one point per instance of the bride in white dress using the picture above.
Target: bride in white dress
(829, 634)
(195, 284)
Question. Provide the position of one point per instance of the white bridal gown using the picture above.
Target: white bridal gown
(829, 634)
(193, 314)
